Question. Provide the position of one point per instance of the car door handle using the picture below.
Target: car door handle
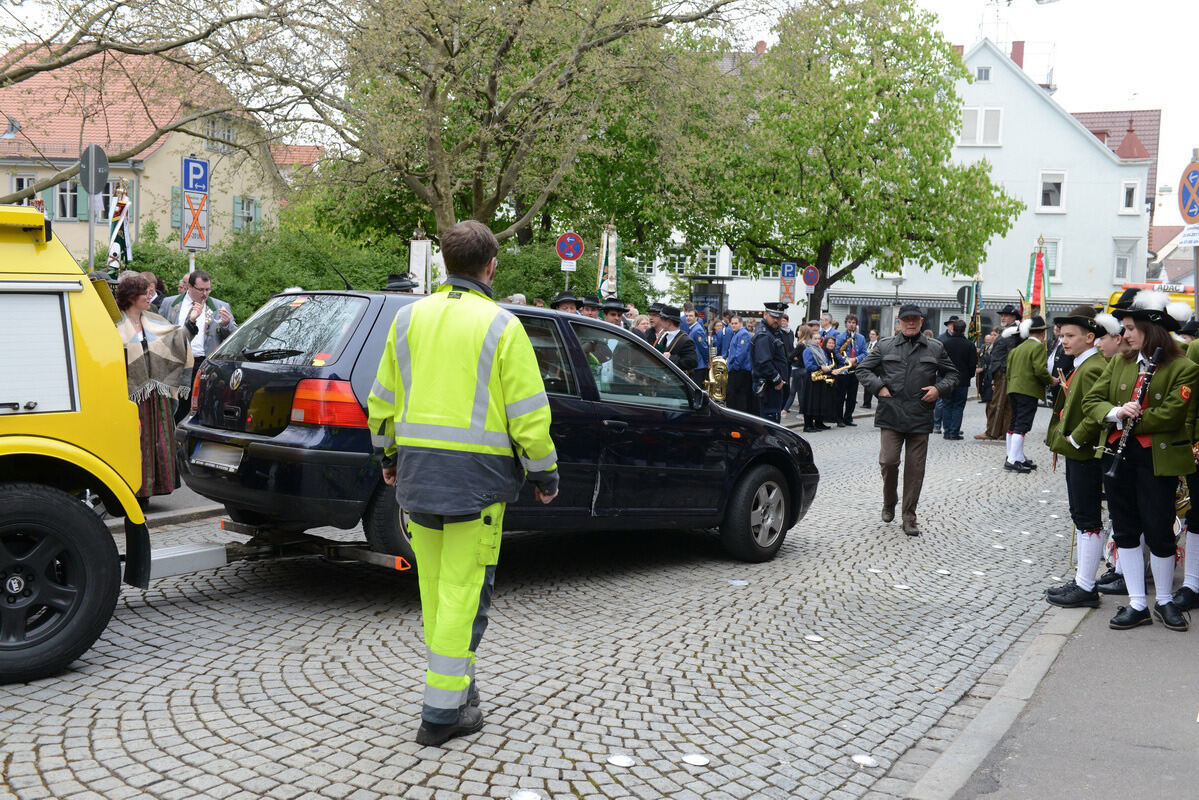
(13, 406)
(616, 425)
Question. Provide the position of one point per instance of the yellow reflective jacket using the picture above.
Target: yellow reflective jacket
(459, 401)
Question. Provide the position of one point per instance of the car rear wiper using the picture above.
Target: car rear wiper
(268, 355)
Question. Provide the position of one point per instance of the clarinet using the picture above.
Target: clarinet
(1118, 454)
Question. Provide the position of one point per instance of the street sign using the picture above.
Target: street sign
(569, 265)
(93, 169)
(1188, 193)
(569, 247)
(787, 290)
(811, 276)
(1189, 238)
(809, 288)
(788, 270)
(195, 175)
(195, 221)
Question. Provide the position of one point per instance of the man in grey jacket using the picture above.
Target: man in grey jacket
(213, 317)
(907, 372)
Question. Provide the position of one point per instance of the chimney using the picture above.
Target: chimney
(959, 49)
(760, 48)
(1018, 54)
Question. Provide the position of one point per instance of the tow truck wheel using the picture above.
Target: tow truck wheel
(386, 525)
(755, 523)
(60, 575)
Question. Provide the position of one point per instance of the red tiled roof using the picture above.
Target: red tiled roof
(113, 100)
(1160, 235)
(1111, 127)
(296, 155)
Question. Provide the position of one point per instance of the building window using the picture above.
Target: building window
(22, 182)
(643, 266)
(738, 269)
(220, 128)
(981, 127)
(709, 258)
(1052, 249)
(772, 271)
(246, 212)
(1053, 192)
(983, 74)
(1125, 251)
(66, 201)
(1128, 197)
(676, 262)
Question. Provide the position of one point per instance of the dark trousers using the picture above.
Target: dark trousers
(1084, 490)
(185, 405)
(999, 413)
(1193, 511)
(740, 391)
(847, 395)
(866, 397)
(953, 407)
(1140, 502)
(916, 447)
(772, 403)
(1024, 409)
(794, 387)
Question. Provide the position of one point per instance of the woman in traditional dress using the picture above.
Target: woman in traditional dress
(158, 359)
(819, 398)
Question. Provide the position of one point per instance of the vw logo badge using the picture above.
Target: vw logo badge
(235, 378)
(15, 584)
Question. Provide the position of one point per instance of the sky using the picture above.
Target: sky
(1106, 55)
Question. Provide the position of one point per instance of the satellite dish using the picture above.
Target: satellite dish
(13, 127)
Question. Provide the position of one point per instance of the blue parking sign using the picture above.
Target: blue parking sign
(195, 175)
(788, 269)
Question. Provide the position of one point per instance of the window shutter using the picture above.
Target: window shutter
(176, 207)
(257, 214)
(236, 213)
(48, 201)
(82, 203)
(991, 120)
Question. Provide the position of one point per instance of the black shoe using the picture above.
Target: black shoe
(840, 424)
(470, 720)
(1117, 586)
(820, 426)
(1128, 617)
(1073, 596)
(1016, 466)
(1169, 615)
(849, 423)
(1185, 599)
(1028, 463)
(1109, 576)
(957, 437)
(911, 529)
(472, 697)
(810, 429)
(888, 514)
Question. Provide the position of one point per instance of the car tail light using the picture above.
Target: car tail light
(323, 402)
(196, 391)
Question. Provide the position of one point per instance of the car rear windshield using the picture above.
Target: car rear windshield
(296, 329)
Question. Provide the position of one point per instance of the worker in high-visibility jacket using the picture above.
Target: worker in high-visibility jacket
(461, 414)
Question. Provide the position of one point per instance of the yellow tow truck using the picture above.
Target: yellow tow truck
(1177, 292)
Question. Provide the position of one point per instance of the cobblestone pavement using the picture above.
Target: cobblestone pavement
(302, 678)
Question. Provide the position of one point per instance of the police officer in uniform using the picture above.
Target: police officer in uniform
(461, 415)
(769, 359)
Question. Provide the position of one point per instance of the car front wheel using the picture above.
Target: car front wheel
(755, 524)
(386, 525)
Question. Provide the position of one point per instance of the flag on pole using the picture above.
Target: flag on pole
(120, 245)
(607, 276)
(1038, 280)
(976, 323)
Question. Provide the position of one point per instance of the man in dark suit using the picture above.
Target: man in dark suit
(679, 349)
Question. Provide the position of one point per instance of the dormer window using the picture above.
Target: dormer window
(983, 74)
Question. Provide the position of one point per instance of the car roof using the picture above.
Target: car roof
(409, 297)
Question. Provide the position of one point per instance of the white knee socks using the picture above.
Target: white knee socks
(1191, 566)
(1134, 576)
(1015, 447)
(1090, 553)
(1009, 446)
(1163, 577)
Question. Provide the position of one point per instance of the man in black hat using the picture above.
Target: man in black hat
(654, 312)
(565, 301)
(1189, 331)
(614, 310)
(907, 372)
(768, 357)
(999, 413)
(676, 345)
(589, 306)
(1027, 377)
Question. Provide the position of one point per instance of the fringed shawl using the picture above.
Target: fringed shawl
(163, 364)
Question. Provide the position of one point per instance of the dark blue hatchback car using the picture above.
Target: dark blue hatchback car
(278, 432)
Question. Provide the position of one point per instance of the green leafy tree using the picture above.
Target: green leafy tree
(535, 270)
(845, 157)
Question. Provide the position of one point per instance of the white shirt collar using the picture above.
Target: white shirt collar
(1084, 356)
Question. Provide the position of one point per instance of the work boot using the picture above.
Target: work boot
(1073, 596)
(1186, 598)
(472, 697)
(1128, 617)
(1169, 615)
(888, 513)
(470, 720)
(911, 528)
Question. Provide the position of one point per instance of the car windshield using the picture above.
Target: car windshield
(296, 329)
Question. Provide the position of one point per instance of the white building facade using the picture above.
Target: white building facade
(1083, 201)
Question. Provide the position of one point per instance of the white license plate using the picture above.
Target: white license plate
(218, 456)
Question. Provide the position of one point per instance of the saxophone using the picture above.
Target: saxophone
(841, 353)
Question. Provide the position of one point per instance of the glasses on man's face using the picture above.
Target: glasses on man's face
(204, 290)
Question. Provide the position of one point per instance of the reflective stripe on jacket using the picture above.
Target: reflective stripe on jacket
(459, 399)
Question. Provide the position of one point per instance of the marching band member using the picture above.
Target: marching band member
(1027, 377)
(1140, 497)
(1075, 436)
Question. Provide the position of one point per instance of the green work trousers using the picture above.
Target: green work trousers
(455, 562)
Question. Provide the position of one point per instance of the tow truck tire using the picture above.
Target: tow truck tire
(386, 526)
(755, 523)
(60, 575)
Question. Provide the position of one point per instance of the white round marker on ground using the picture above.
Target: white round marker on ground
(524, 794)
(811, 637)
(695, 760)
(863, 760)
(738, 583)
(621, 760)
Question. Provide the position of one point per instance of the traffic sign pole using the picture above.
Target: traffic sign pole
(93, 174)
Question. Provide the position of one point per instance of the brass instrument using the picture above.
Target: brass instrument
(820, 375)
(717, 384)
(841, 353)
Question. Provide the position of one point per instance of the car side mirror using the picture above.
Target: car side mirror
(698, 399)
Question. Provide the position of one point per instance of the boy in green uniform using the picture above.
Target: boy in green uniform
(1187, 597)
(1027, 377)
(1074, 435)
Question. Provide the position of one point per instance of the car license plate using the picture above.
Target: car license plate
(218, 456)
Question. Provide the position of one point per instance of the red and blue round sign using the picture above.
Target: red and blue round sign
(570, 246)
(811, 276)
